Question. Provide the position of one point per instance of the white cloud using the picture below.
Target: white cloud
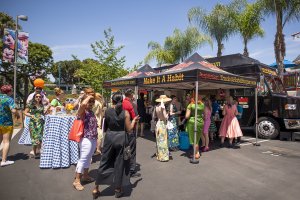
(64, 52)
(292, 49)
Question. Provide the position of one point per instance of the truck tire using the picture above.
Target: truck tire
(268, 128)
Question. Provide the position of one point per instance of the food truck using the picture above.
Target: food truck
(277, 111)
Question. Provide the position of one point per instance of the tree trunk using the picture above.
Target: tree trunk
(220, 47)
(279, 45)
(246, 53)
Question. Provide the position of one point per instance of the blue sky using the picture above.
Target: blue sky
(69, 27)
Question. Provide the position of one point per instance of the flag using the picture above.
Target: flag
(8, 46)
(22, 57)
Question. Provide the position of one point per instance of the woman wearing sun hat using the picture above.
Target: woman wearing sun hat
(161, 129)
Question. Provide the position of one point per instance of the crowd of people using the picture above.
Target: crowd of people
(121, 123)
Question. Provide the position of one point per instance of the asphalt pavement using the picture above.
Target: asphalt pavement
(269, 171)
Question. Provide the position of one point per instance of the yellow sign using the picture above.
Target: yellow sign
(123, 83)
(268, 71)
(171, 78)
(237, 80)
(217, 64)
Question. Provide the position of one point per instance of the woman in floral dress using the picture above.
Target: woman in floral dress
(35, 110)
(173, 138)
(161, 129)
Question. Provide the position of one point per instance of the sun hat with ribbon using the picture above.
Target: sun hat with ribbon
(163, 98)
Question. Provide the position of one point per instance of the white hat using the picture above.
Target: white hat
(163, 98)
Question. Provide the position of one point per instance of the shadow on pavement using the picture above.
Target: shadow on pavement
(18, 156)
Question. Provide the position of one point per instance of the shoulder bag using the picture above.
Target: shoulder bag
(76, 132)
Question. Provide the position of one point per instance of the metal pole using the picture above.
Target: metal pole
(15, 61)
(194, 160)
(256, 119)
(136, 90)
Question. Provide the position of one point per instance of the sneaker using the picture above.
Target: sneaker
(8, 162)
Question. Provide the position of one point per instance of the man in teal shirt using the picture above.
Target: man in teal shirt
(239, 117)
(7, 107)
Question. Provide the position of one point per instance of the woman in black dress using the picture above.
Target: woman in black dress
(141, 107)
(113, 168)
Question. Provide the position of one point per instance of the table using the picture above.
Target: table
(57, 150)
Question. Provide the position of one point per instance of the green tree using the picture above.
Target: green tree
(160, 54)
(183, 44)
(108, 65)
(178, 46)
(6, 21)
(67, 70)
(286, 11)
(247, 18)
(217, 23)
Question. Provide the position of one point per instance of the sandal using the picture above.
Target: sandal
(96, 194)
(77, 185)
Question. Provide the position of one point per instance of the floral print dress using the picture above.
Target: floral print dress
(173, 138)
(36, 124)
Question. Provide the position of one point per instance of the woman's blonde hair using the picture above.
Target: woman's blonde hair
(99, 97)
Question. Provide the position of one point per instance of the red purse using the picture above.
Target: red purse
(76, 132)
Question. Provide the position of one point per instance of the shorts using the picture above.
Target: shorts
(6, 129)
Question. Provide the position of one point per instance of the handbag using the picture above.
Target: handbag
(127, 148)
(76, 132)
(170, 125)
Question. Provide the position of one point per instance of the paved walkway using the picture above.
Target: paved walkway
(270, 171)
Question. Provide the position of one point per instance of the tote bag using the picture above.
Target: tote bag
(76, 132)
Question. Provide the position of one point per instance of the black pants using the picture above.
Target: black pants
(132, 142)
(113, 170)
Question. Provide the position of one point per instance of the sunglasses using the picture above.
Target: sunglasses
(38, 97)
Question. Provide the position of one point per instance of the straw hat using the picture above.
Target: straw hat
(163, 98)
(58, 91)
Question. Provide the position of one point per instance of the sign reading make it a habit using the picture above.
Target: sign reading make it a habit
(170, 78)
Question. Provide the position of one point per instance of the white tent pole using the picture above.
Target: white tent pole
(256, 119)
(136, 90)
(194, 160)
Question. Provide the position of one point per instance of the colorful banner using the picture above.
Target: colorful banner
(9, 39)
(22, 57)
(8, 55)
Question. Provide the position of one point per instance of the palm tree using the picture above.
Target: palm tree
(247, 18)
(183, 44)
(217, 23)
(159, 53)
(178, 46)
(286, 11)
